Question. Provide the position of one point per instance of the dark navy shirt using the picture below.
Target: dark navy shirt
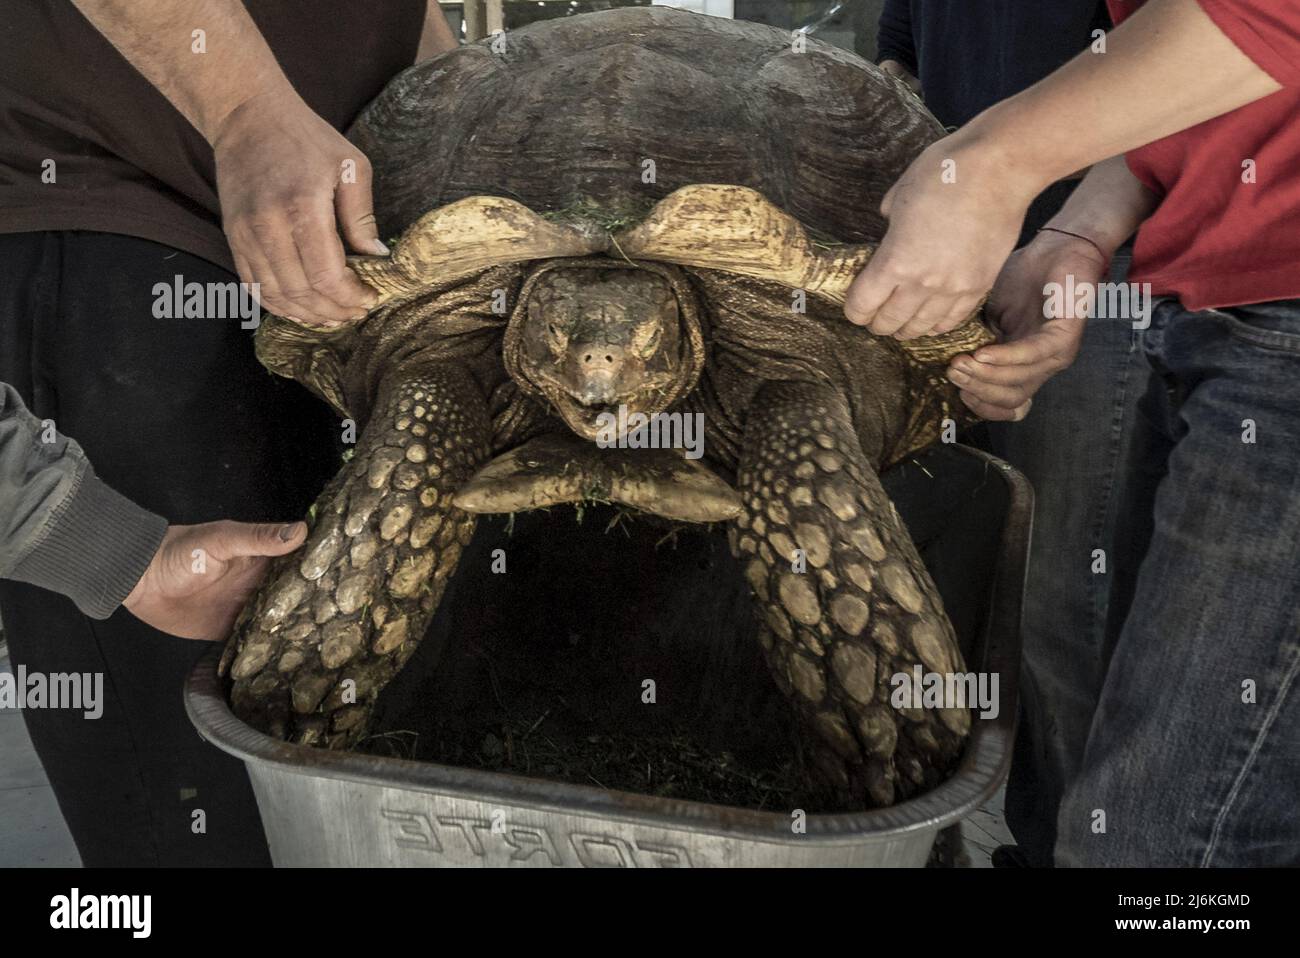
(969, 54)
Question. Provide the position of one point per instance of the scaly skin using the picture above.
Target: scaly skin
(354, 602)
(863, 609)
(771, 168)
(806, 472)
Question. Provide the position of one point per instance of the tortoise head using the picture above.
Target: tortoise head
(590, 333)
(594, 337)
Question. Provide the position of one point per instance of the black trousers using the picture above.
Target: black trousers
(178, 415)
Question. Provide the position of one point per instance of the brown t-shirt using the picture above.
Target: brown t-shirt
(124, 159)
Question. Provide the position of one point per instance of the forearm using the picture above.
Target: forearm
(436, 36)
(61, 528)
(157, 37)
(1107, 207)
(1168, 67)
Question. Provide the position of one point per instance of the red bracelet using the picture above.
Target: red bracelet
(1079, 236)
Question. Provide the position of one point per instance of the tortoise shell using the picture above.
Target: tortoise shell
(730, 148)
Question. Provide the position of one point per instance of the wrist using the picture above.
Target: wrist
(133, 597)
(1106, 236)
(1062, 237)
(148, 577)
(1009, 155)
(96, 549)
(277, 98)
(984, 157)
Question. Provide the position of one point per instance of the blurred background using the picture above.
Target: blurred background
(849, 24)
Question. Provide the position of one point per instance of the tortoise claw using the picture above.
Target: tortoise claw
(555, 469)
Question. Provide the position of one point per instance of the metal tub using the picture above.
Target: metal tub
(970, 515)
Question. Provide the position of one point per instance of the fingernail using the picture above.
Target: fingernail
(957, 376)
(287, 531)
(380, 248)
(361, 315)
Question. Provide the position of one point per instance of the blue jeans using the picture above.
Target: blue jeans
(1072, 447)
(1193, 756)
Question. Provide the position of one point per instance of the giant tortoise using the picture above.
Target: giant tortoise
(634, 213)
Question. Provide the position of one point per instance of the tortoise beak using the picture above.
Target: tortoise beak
(585, 418)
(600, 373)
(597, 393)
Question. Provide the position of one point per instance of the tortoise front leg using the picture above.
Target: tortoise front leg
(863, 609)
(337, 619)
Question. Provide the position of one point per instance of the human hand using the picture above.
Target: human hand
(201, 576)
(285, 178)
(998, 381)
(954, 216)
(896, 69)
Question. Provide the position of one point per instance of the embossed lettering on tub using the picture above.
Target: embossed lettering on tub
(439, 834)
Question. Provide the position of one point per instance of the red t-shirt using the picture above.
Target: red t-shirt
(1218, 239)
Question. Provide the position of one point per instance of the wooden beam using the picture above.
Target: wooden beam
(496, 16)
(475, 16)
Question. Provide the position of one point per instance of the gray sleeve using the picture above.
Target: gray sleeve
(61, 528)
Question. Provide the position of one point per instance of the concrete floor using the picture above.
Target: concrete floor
(31, 827)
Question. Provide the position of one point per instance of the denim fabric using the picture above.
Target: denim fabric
(1072, 448)
(1193, 757)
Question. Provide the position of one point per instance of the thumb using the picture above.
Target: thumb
(887, 203)
(233, 540)
(355, 208)
(866, 294)
(1034, 348)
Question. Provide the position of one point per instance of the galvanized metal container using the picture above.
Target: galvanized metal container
(325, 808)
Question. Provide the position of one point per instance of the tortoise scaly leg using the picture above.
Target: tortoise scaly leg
(863, 610)
(336, 620)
